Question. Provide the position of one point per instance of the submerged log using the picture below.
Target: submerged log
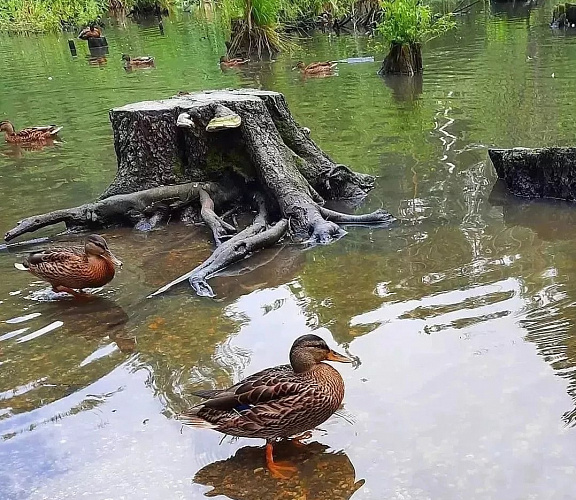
(537, 173)
(210, 150)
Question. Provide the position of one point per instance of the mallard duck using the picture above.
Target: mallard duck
(278, 402)
(67, 269)
(30, 134)
(92, 31)
(231, 63)
(140, 62)
(316, 68)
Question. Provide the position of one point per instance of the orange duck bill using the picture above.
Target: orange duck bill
(340, 358)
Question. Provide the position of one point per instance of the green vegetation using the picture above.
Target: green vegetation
(405, 25)
(254, 26)
(33, 16)
(47, 15)
(410, 21)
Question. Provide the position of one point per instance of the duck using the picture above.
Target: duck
(231, 63)
(140, 62)
(30, 134)
(281, 402)
(74, 268)
(316, 68)
(92, 31)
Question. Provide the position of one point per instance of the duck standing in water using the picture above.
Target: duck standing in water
(30, 135)
(278, 402)
(74, 268)
(91, 32)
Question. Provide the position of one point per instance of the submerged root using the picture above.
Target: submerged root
(255, 237)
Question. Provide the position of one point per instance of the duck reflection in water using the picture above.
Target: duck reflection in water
(321, 475)
(95, 318)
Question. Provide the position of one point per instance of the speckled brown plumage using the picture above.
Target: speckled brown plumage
(30, 134)
(90, 266)
(277, 402)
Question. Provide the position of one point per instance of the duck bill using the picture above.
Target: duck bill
(113, 259)
(340, 358)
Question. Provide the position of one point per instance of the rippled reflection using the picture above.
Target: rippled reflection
(321, 474)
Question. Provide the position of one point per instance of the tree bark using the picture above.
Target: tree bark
(127, 209)
(537, 173)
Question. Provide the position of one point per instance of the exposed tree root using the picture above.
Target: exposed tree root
(123, 208)
(220, 228)
(255, 237)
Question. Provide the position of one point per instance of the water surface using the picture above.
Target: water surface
(461, 317)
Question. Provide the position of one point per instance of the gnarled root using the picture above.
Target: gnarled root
(124, 208)
(255, 237)
(220, 228)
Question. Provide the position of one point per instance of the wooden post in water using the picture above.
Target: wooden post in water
(72, 47)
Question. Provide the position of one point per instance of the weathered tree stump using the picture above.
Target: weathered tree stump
(187, 157)
(402, 59)
(537, 173)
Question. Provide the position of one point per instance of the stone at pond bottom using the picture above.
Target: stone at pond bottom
(537, 173)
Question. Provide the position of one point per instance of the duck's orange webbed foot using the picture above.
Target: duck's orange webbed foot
(279, 470)
(297, 440)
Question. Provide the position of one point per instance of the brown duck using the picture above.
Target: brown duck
(319, 68)
(29, 135)
(91, 32)
(278, 402)
(137, 62)
(232, 63)
(74, 268)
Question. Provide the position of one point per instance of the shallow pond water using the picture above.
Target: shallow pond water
(461, 317)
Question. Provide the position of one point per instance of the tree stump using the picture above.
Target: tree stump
(537, 173)
(187, 157)
(403, 59)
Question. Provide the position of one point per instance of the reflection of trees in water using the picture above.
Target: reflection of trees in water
(321, 474)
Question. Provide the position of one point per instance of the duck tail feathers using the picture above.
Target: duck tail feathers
(195, 421)
(20, 267)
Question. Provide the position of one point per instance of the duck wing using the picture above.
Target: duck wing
(268, 385)
(37, 133)
(320, 66)
(50, 260)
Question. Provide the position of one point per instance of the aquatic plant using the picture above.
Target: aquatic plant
(405, 26)
(255, 27)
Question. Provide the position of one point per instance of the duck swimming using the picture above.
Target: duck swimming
(319, 68)
(137, 62)
(278, 402)
(29, 135)
(74, 268)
